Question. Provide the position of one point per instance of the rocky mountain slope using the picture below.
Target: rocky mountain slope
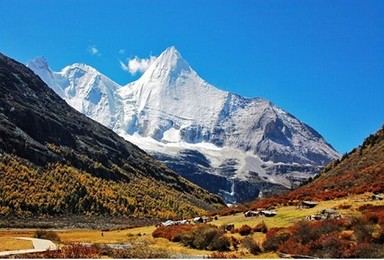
(358, 172)
(55, 160)
(240, 148)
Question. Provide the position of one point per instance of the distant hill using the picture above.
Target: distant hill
(360, 171)
(56, 161)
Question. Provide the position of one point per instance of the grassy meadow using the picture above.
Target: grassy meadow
(286, 216)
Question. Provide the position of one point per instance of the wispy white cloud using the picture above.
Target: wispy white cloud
(94, 51)
(122, 51)
(123, 66)
(137, 64)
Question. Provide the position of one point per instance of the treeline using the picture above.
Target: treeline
(26, 190)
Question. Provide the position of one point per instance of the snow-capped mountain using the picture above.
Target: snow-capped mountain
(84, 88)
(237, 147)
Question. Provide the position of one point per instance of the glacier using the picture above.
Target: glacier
(240, 148)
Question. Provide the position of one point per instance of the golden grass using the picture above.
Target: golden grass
(107, 237)
(270, 255)
(178, 248)
(12, 233)
(10, 244)
(289, 215)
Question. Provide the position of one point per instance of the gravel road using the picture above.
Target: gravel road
(39, 245)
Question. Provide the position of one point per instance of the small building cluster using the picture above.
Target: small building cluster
(325, 214)
(196, 220)
(173, 223)
(257, 213)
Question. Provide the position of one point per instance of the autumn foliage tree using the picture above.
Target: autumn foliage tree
(27, 190)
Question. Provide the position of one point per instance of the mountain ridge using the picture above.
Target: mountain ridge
(43, 138)
(170, 110)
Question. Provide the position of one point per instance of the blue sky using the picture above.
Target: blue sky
(322, 61)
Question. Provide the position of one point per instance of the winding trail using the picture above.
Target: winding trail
(39, 245)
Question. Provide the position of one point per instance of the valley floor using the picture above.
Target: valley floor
(286, 216)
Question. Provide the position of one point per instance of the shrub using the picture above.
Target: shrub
(187, 239)
(364, 231)
(380, 237)
(235, 243)
(221, 255)
(293, 247)
(313, 238)
(371, 217)
(73, 251)
(371, 207)
(221, 243)
(245, 230)
(172, 233)
(209, 237)
(345, 206)
(374, 215)
(365, 250)
(304, 232)
(50, 235)
(361, 237)
(331, 246)
(203, 237)
(140, 249)
(250, 244)
(275, 237)
(346, 236)
(261, 227)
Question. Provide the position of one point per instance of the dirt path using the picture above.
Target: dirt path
(39, 245)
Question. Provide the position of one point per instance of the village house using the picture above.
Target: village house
(307, 204)
(229, 227)
(325, 214)
(268, 213)
(173, 223)
(251, 213)
(377, 197)
(201, 220)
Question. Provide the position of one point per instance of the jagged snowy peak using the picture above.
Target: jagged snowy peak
(172, 100)
(175, 105)
(41, 68)
(85, 89)
(91, 93)
(168, 67)
(217, 139)
(271, 133)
